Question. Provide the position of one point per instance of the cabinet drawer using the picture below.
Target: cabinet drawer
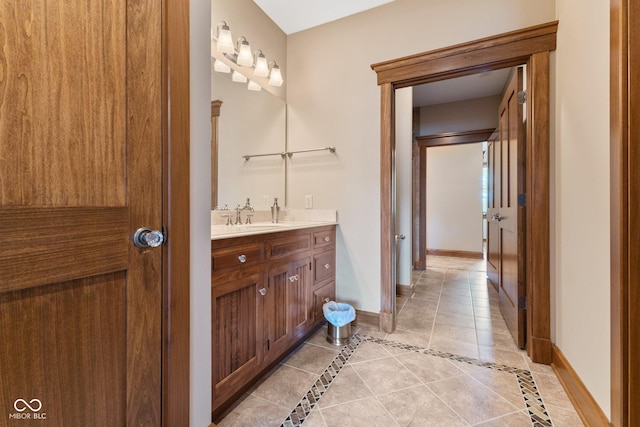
(324, 266)
(320, 295)
(237, 256)
(324, 238)
(289, 245)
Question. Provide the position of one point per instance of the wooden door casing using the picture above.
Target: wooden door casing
(80, 125)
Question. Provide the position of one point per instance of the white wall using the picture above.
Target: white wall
(454, 197)
(581, 199)
(472, 114)
(333, 99)
(200, 237)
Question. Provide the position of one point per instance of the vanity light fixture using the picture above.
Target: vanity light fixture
(245, 57)
(240, 54)
(275, 78)
(224, 43)
(261, 65)
(221, 67)
(238, 77)
(254, 86)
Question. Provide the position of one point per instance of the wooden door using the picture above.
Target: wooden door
(505, 261)
(277, 312)
(80, 171)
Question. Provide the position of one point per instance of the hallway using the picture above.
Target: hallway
(450, 362)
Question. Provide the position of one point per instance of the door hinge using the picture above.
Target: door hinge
(522, 199)
(522, 97)
(522, 303)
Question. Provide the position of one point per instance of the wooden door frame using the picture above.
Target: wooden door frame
(420, 191)
(625, 215)
(176, 213)
(530, 46)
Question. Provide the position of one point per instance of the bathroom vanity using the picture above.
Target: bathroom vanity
(268, 285)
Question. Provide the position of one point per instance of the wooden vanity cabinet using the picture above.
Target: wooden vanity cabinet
(266, 298)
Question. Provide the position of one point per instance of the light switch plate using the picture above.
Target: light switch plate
(308, 201)
(265, 201)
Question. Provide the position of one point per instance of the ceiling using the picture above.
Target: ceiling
(298, 15)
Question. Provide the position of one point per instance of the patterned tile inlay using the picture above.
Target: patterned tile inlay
(537, 412)
(318, 389)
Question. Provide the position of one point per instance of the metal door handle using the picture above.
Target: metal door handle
(147, 238)
(400, 236)
(497, 217)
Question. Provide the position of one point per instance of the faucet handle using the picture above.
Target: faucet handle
(248, 221)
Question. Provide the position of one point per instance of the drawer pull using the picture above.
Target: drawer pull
(327, 266)
(263, 291)
(243, 259)
(293, 278)
(326, 239)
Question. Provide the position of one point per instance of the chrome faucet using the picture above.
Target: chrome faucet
(226, 214)
(247, 206)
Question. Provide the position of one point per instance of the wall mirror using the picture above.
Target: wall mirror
(249, 123)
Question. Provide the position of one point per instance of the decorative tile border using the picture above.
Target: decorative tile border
(318, 389)
(535, 406)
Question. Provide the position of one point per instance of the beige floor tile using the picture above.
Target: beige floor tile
(411, 338)
(254, 412)
(315, 419)
(470, 399)
(454, 347)
(369, 351)
(312, 358)
(503, 357)
(503, 383)
(516, 419)
(563, 417)
(418, 407)
(456, 308)
(385, 375)
(285, 386)
(551, 391)
(361, 413)
(346, 387)
(466, 335)
(461, 320)
(498, 340)
(429, 368)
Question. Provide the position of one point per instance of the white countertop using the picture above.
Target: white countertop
(226, 231)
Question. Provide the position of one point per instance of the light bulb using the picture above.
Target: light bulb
(276, 76)
(225, 41)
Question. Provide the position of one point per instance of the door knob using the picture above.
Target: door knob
(147, 238)
(497, 217)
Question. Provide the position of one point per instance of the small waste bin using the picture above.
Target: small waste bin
(339, 316)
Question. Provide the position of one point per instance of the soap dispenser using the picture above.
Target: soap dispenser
(275, 210)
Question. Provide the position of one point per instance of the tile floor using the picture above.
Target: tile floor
(450, 362)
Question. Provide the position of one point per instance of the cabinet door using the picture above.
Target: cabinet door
(288, 314)
(237, 313)
(299, 313)
(278, 328)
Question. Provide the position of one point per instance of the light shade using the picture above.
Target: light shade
(254, 86)
(245, 57)
(262, 68)
(221, 67)
(275, 79)
(224, 44)
(237, 77)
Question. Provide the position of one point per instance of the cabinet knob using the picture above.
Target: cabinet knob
(242, 258)
(293, 278)
(327, 266)
(326, 239)
(263, 291)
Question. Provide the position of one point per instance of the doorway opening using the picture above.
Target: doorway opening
(530, 46)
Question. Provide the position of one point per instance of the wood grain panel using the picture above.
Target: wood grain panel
(276, 319)
(506, 49)
(324, 266)
(298, 303)
(285, 246)
(78, 45)
(69, 338)
(453, 138)
(51, 245)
